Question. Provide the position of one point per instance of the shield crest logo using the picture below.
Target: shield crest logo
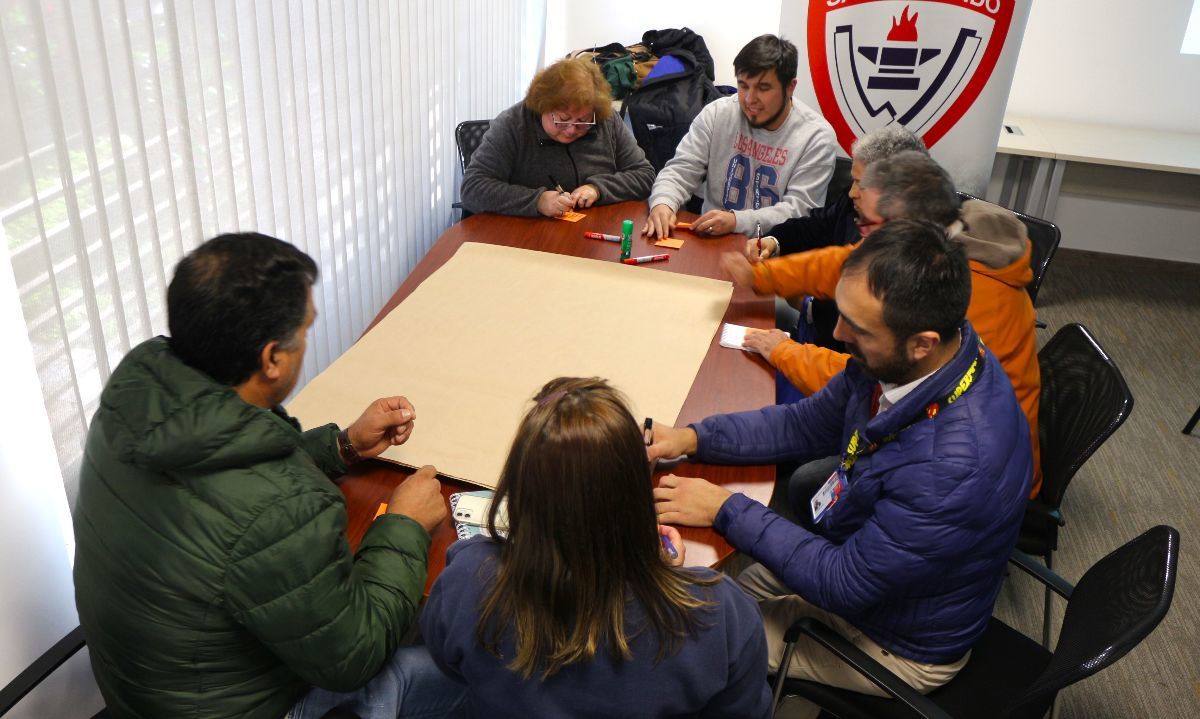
(920, 63)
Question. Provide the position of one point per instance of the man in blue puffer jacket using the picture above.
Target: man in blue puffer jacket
(908, 540)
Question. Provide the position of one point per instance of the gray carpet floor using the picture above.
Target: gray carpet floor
(1146, 314)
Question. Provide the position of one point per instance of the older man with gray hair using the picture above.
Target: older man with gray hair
(837, 222)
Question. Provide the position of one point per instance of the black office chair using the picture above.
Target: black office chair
(840, 180)
(1044, 237)
(467, 136)
(1115, 605)
(42, 667)
(1084, 400)
(57, 655)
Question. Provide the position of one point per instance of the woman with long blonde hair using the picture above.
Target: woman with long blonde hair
(579, 611)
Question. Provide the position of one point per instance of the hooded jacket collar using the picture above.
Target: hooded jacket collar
(165, 416)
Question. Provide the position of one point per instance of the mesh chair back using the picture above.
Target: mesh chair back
(1044, 237)
(468, 135)
(1115, 605)
(1084, 400)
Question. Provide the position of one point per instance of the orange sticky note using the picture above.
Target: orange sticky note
(381, 510)
(683, 225)
(672, 242)
(571, 216)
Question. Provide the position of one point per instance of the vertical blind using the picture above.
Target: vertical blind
(135, 129)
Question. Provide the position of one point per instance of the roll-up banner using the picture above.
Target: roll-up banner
(941, 68)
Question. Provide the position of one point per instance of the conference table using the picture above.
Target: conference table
(728, 380)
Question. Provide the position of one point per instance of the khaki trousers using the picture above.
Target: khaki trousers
(781, 607)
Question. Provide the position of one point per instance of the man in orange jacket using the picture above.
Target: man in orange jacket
(911, 185)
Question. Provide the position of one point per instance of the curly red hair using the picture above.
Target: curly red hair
(570, 83)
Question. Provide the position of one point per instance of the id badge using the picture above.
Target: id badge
(828, 494)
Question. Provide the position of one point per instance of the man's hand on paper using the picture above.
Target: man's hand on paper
(659, 222)
(764, 341)
(420, 498)
(386, 422)
(671, 442)
(689, 501)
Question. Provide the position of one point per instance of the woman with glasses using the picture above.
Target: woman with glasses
(559, 149)
(580, 611)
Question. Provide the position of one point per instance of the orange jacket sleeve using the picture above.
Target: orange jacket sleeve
(815, 273)
(807, 366)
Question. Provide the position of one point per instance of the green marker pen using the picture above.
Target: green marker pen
(626, 239)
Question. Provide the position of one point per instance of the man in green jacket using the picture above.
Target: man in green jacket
(212, 573)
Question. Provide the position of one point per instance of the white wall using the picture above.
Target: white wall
(1116, 63)
(726, 27)
(37, 600)
(1111, 62)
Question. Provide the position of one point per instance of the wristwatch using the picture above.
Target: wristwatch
(349, 454)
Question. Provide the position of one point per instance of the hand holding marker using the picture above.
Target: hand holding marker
(667, 545)
(648, 437)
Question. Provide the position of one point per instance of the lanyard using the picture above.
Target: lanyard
(855, 448)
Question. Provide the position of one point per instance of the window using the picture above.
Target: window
(133, 131)
(1191, 36)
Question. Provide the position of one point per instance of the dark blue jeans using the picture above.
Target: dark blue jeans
(410, 686)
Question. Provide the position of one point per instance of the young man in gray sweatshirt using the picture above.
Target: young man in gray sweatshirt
(766, 157)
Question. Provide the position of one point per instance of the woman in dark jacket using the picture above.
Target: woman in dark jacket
(580, 611)
(559, 149)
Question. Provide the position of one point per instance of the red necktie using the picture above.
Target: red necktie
(875, 399)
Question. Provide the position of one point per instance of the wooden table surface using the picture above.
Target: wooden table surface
(728, 380)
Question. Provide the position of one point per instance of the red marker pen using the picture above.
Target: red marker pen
(647, 258)
(599, 236)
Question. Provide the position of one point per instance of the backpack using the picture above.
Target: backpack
(616, 64)
(643, 62)
(661, 109)
(666, 42)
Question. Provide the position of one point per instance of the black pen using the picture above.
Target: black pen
(557, 186)
(648, 436)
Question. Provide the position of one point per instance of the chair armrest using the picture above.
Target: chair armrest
(41, 668)
(1037, 509)
(865, 665)
(1041, 573)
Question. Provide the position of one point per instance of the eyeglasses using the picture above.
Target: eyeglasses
(573, 123)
